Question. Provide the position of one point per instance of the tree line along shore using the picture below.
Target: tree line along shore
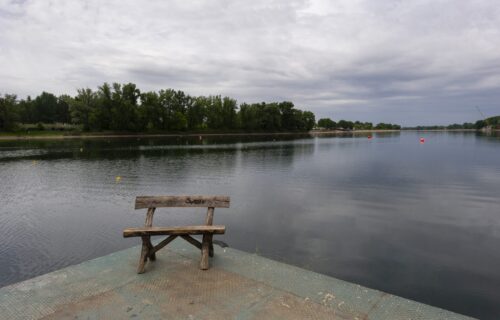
(124, 108)
(491, 123)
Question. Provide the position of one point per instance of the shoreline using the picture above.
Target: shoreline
(57, 136)
(172, 135)
(141, 135)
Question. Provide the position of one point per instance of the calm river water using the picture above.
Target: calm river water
(418, 220)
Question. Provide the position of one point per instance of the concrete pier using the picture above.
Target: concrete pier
(237, 286)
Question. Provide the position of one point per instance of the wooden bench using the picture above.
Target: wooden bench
(207, 230)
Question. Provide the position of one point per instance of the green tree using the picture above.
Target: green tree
(287, 115)
(327, 123)
(248, 117)
(178, 121)
(228, 113)
(215, 116)
(150, 111)
(102, 114)
(308, 120)
(124, 111)
(346, 125)
(122, 107)
(271, 118)
(45, 108)
(196, 113)
(62, 110)
(82, 108)
(8, 115)
(26, 111)
(174, 106)
(480, 124)
(387, 126)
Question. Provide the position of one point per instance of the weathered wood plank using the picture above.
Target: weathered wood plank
(152, 231)
(209, 221)
(181, 201)
(163, 243)
(192, 240)
(149, 217)
(205, 247)
(144, 256)
(210, 216)
(211, 245)
(149, 223)
(151, 252)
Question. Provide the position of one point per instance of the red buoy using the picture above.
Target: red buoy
(422, 140)
(369, 137)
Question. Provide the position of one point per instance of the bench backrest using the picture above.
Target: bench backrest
(143, 202)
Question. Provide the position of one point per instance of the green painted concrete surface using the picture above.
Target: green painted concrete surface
(237, 286)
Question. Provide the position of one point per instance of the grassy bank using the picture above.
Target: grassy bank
(32, 134)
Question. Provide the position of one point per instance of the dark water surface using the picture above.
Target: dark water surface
(418, 220)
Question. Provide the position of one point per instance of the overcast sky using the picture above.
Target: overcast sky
(409, 62)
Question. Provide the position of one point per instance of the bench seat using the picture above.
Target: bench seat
(154, 231)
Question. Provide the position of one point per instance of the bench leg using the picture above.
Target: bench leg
(205, 247)
(211, 247)
(152, 254)
(144, 255)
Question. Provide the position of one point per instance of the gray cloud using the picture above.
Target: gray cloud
(411, 62)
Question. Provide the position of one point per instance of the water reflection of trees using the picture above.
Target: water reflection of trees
(278, 155)
(128, 148)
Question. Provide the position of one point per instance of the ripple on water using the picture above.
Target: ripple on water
(388, 213)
